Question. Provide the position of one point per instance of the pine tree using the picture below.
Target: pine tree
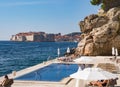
(106, 4)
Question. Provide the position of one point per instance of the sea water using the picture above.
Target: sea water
(15, 56)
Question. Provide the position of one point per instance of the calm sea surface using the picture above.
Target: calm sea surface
(20, 55)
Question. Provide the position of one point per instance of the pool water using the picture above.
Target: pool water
(52, 72)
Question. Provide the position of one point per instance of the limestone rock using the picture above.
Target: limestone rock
(100, 33)
(92, 21)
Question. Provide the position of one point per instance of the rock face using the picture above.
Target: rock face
(100, 33)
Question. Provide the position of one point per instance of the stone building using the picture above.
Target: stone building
(33, 36)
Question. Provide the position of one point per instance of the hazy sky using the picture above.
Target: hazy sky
(50, 16)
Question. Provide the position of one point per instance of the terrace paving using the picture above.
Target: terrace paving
(67, 82)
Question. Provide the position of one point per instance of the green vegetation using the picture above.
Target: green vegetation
(96, 2)
(106, 4)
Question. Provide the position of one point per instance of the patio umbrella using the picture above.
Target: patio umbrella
(116, 52)
(68, 50)
(91, 60)
(84, 60)
(58, 52)
(93, 74)
(113, 51)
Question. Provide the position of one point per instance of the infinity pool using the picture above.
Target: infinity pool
(53, 72)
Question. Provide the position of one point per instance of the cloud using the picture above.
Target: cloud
(28, 3)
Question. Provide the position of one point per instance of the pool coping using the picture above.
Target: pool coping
(64, 81)
(35, 67)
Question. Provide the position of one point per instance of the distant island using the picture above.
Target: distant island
(45, 37)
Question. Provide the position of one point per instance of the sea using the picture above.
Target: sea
(15, 56)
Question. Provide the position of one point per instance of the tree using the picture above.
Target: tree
(106, 4)
(96, 2)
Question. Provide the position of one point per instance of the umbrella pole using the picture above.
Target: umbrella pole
(77, 83)
(80, 83)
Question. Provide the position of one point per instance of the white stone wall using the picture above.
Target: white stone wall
(13, 38)
(19, 38)
(30, 38)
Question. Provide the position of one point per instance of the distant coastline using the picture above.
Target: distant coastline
(45, 37)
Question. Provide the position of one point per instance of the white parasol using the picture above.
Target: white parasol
(84, 60)
(116, 52)
(91, 60)
(68, 50)
(93, 74)
(58, 52)
(113, 51)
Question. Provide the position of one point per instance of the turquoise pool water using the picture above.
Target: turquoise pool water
(52, 72)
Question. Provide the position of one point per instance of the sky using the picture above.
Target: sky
(50, 16)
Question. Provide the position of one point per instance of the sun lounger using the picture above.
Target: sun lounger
(65, 59)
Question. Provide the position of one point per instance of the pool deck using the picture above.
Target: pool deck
(67, 82)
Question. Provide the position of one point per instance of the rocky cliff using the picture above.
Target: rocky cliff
(100, 32)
